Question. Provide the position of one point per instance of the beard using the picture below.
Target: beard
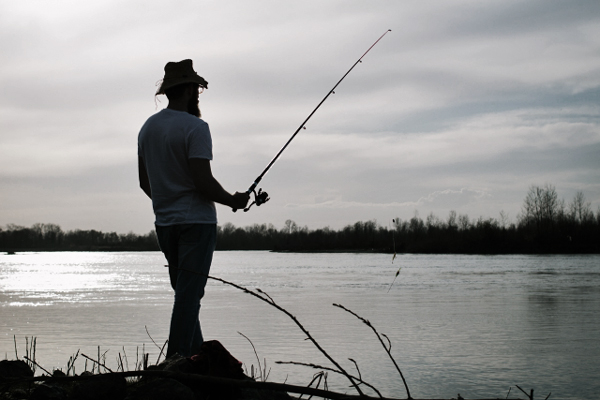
(193, 107)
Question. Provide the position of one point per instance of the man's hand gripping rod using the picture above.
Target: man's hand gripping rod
(262, 197)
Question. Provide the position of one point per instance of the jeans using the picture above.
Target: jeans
(188, 249)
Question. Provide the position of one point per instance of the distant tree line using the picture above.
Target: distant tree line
(50, 237)
(545, 225)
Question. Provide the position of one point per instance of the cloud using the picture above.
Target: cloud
(446, 197)
(461, 98)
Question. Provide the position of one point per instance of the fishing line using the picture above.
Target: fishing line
(262, 197)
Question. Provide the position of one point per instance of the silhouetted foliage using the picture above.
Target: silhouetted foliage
(545, 225)
(50, 237)
(548, 225)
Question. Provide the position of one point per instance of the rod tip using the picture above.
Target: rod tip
(389, 30)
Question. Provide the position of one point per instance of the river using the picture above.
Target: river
(474, 325)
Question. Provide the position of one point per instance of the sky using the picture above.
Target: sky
(463, 106)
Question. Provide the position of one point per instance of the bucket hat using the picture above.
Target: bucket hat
(180, 72)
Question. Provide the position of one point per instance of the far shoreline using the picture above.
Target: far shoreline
(328, 251)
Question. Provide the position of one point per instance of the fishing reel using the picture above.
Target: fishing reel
(259, 198)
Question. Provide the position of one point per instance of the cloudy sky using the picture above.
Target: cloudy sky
(463, 106)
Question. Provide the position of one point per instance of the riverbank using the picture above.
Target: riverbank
(197, 378)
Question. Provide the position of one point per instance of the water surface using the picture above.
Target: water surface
(474, 325)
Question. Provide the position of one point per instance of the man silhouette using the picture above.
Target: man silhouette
(174, 155)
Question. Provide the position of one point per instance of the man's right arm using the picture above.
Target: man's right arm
(143, 176)
(210, 188)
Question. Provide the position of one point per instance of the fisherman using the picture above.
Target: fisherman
(174, 155)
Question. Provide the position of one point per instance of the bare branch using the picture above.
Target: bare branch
(260, 370)
(267, 299)
(157, 346)
(99, 363)
(366, 322)
(38, 365)
(315, 366)
(526, 394)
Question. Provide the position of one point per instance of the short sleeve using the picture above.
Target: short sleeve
(200, 142)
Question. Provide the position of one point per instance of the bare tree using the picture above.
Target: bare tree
(433, 221)
(541, 207)
(463, 222)
(416, 224)
(290, 227)
(580, 210)
(452, 220)
(504, 221)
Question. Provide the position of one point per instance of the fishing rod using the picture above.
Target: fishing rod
(262, 197)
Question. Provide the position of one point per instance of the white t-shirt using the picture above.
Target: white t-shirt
(166, 142)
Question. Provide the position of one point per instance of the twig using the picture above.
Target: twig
(99, 363)
(388, 340)
(397, 273)
(526, 394)
(103, 355)
(316, 377)
(126, 360)
(161, 352)
(120, 363)
(255, 353)
(267, 299)
(157, 346)
(30, 351)
(315, 366)
(143, 364)
(366, 322)
(394, 257)
(263, 373)
(71, 363)
(16, 353)
(99, 360)
(38, 365)
(357, 369)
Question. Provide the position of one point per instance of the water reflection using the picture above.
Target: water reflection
(548, 301)
(72, 277)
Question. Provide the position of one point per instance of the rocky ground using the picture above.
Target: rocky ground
(214, 362)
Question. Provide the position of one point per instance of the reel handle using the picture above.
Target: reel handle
(259, 198)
